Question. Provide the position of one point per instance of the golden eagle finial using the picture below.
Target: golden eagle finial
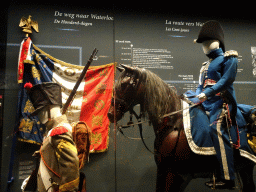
(28, 24)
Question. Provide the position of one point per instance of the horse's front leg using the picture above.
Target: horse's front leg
(166, 180)
(169, 180)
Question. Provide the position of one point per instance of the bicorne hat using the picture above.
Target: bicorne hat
(211, 30)
(43, 95)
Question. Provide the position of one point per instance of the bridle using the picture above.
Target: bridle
(125, 106)
(133, 85)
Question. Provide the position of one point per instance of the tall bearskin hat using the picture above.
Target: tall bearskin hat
(43, 95)
(211, 30)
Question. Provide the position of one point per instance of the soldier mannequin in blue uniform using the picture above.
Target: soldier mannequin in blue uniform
(216, 92)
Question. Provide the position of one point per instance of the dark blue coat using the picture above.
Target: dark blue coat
(216, 81)
(221, 69)
(217, 77)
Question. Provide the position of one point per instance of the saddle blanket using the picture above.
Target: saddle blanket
(199, 140)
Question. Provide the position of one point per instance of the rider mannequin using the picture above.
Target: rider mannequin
(208, 46)
(216, 93)
(225, 117)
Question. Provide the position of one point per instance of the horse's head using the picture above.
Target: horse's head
(127, 92)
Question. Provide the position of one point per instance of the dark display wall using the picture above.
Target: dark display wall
(161, 41)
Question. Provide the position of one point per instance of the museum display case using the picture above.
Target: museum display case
(62, 38)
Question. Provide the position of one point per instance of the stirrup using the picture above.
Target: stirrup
(214, 181)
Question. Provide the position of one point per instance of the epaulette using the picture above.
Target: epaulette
(230, 53)
(204, 63)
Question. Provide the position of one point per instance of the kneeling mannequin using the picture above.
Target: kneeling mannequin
(59, 163)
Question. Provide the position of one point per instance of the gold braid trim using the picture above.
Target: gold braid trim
(252, 142)
(29, 62)
(68, 64)
(29, 141)
(231, 53)
(70, 185)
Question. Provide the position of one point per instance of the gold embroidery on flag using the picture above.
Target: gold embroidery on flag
(35, 73)
(84, 100)
(29, 62)
(97, 120)
(26, 125)
(28, 107)
(38, 59)
(101, 88)
(96, 138)
(99, 104)
(89, 77)
(69, 72)
(103, 73)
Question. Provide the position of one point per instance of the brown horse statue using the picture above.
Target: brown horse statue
(176, 163)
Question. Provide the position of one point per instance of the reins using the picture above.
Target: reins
(166, 115)
(138, 117)
(135, 79)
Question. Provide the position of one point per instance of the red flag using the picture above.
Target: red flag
(96, 102)
(93, 97)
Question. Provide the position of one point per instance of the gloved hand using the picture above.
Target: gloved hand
(202, 97)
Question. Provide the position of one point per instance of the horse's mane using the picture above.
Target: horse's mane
(160, 99)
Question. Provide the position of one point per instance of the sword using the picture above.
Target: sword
(82, 76)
